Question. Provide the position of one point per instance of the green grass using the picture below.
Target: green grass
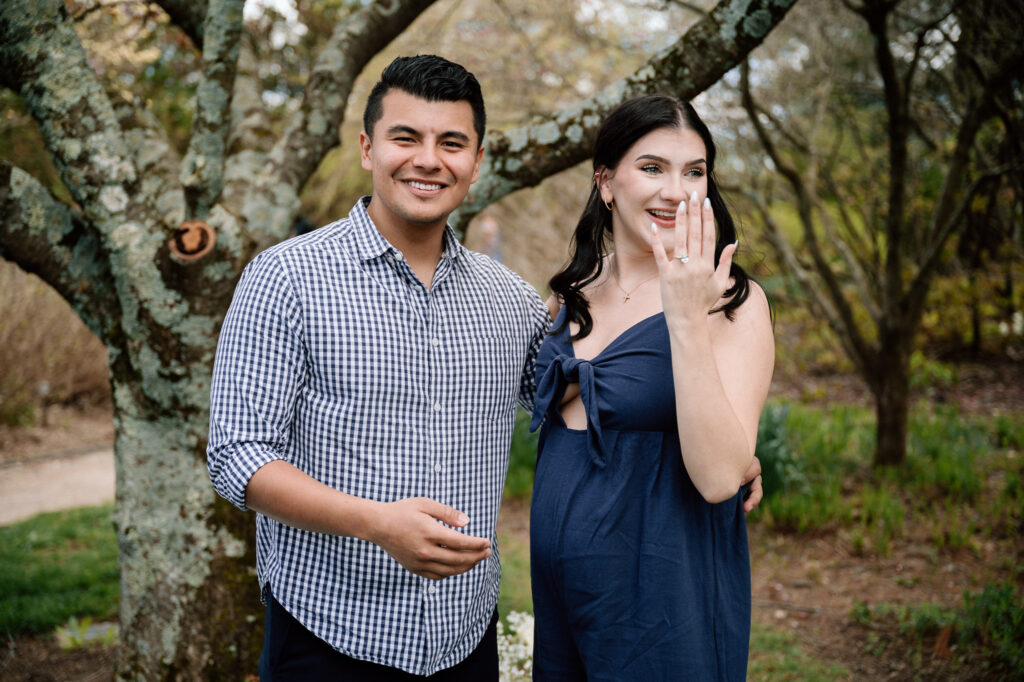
(55, 566)
(776, 655)
(515, 577)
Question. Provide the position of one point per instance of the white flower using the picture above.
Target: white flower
(515, 648)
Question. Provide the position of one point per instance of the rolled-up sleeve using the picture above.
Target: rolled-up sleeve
(257, 373)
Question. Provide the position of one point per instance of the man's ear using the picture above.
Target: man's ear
(365, 143)
(476, 167)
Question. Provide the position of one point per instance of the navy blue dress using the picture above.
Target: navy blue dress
(635, 576)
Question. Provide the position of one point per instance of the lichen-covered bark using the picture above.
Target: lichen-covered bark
(523, 157)
(48, 239)
(202, 171)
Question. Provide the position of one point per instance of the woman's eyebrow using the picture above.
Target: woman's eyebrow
(660, 159)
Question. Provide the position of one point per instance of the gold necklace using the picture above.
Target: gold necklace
(627, 294)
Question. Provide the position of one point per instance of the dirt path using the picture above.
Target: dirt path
(53, 482)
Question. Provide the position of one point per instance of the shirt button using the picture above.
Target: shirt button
(435, 342)
(431, 589)
(399, 256)
(437, 407)
(437, 467)
(389, 259)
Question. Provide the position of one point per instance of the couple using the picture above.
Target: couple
(365, 389)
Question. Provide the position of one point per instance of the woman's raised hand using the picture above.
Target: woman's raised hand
(691, 285)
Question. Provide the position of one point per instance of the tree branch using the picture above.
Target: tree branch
(847, 326)
(41, 53)
(524, 156)
(45, 237)
(202, 172)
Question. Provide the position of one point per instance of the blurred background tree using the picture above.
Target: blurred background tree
(890, 187)
(125, 120)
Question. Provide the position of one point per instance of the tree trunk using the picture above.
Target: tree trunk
(891, 389)
(189, 605)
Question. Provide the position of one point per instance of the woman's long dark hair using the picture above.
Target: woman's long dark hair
(621, 129)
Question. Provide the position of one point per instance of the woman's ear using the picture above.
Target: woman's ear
(601, 177)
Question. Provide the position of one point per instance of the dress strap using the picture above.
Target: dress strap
(563, 370)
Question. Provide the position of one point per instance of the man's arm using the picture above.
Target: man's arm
(408, 529)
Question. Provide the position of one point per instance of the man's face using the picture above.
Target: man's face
(423, 157)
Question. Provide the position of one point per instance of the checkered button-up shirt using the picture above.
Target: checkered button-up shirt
(336, 358)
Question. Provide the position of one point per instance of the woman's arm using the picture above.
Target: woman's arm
(721, 369)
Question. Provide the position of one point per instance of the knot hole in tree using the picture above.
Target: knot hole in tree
(192, 240)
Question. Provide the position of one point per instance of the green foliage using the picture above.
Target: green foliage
(944, 453)
(810, 453)
(881, 518)
(994, 617)
(79, 634)
(781, 471)
(522, 460)
(777, 656)
(989, 625)
(55, 566)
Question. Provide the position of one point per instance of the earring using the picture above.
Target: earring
(609, 204)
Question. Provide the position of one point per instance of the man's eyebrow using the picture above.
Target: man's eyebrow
(402, 129)
(661, 159)
(455, 134)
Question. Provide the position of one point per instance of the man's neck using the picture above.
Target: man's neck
(420, 244)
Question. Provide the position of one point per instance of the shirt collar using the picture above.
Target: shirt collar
(371, 244)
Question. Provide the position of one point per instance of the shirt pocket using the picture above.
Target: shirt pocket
(485, 374)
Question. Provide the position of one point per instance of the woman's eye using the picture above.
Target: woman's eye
(695, 172)
(650, 169)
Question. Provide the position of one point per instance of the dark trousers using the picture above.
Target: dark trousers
(291, 653)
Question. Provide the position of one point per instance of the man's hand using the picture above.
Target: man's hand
(753, 476)
(409, 531)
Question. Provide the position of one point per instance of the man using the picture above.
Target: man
(363, 400)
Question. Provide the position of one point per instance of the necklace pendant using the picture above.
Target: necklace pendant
(625, 298)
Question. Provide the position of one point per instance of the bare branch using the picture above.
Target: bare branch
(203, 168)
(848, 329)
(819, 300)
(45, 237)
(524, 156)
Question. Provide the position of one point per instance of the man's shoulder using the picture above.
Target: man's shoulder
(303, 246)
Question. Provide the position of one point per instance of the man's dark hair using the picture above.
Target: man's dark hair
(428, 77)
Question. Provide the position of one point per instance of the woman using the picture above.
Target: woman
(650, 387)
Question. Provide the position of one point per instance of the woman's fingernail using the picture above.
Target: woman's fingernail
(654, 228)
(736, 243)
(707, 202)
(693, 197)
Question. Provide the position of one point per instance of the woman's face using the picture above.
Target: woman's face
(661, 169)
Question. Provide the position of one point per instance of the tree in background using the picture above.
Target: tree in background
(152, 241)
(887, 156)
